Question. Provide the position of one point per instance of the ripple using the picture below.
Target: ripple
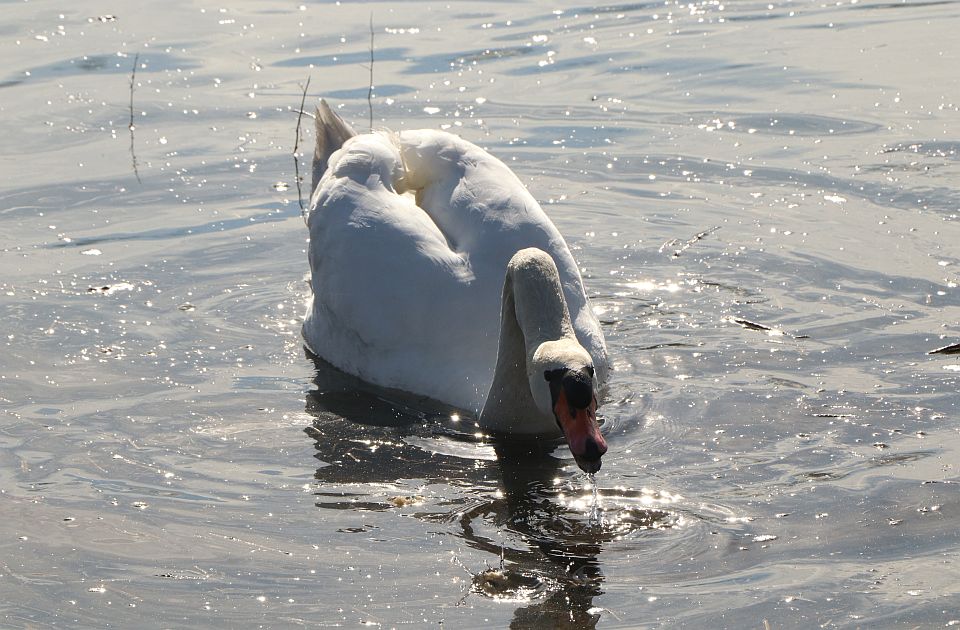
(785, 124)
(109, 64)
(932, 148)
(620, 513)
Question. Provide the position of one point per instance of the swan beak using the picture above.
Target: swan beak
(582, 432)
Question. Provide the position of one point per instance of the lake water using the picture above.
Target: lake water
(764, 199)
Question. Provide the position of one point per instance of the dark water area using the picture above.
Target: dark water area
(763, 198)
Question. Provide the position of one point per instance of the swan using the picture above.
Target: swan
(434, 271)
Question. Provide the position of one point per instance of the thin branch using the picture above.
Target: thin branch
(771, 331)
(131, 126)
(685, 245)
(370, 89)
(296, 147)
(951, 349)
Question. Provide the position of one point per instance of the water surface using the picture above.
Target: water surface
(762, 197)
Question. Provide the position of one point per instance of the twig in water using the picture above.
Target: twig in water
(131, 126)
(685, 245)
(370, 89)
(746, 323)
(296, 147)
(772, 332)
(951, 349)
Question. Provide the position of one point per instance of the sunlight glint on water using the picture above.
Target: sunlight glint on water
(762, 198)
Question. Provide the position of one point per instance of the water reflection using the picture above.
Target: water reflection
(513, 500)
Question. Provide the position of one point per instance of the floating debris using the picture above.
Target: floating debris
(746, 323)
(771, 331)
(405, 501)
(953, 348)
(111, 289)
(356, 530)
(682, 246)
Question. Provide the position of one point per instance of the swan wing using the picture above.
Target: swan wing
(392, 302)
(486, 212)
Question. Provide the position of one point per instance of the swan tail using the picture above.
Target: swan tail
(331, 131)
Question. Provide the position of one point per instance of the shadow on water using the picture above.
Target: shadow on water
(512, 503)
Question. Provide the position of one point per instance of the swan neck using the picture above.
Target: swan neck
(539, 307)
(533, 311)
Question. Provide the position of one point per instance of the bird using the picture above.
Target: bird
(434, 271)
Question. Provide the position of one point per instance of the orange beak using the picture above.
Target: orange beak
(582, 432)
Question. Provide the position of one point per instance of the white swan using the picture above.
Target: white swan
(463, 291)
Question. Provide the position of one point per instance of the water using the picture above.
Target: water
(762, 196)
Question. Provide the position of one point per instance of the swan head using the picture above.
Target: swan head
(562, 382)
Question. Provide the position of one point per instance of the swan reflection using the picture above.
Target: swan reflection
(519, 504)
